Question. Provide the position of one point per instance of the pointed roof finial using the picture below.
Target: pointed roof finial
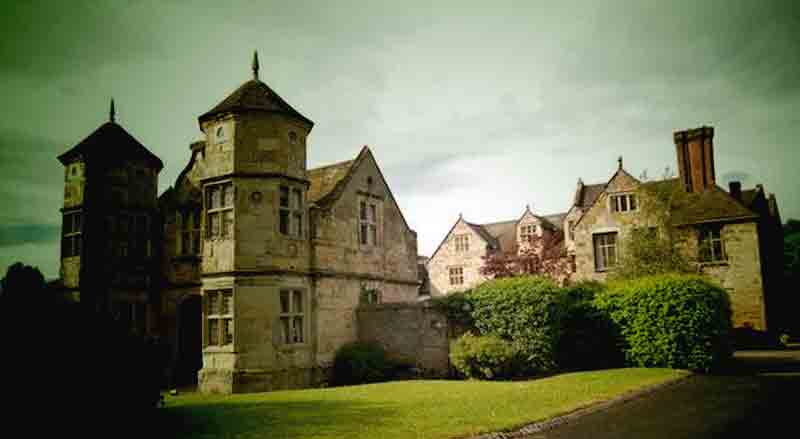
(255, 65)
(112, 113)
(527, 207)
(619, 160)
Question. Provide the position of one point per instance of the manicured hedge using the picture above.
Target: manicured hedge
(589, 339)
(360, 362)
(676, 321)
(525, 311)
(484, 357)
(551, 328)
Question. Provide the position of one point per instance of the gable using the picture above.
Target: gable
(353, 177)
(621, 181)
(460, 227)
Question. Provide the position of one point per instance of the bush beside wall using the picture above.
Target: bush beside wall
(676, 321)
(484, 357)
(359, 363)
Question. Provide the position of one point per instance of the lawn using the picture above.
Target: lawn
(401, 409)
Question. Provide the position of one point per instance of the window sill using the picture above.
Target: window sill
(227, 349)
(714, 263)
(603, 270)
(294, 347)
(292, 237)
(219, 238)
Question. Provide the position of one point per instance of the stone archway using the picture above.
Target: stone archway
(190, 341)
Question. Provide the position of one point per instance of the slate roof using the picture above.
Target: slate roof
(253, 95)
(711, 205)
(556, 220)
(325, 179)
(749, 197)
(481, 230)
(110, 142)
(503, 235)
(586, 195)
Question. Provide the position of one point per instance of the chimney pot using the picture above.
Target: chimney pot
(735, 189)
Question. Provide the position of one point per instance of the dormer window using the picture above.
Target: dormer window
(462, 243)
(526, 232)
(220, 134)
(623, 203)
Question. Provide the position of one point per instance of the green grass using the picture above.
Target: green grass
(401, 409)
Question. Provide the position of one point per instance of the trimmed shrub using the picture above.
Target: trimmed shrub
(359, 363)
(589, 339)
(676, 321)
(456, 307)
(484, 357)
(527, 311)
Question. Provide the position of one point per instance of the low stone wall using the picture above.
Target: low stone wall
(413, 333)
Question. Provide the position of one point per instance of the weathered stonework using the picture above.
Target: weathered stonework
(508, 237)
(743, 226)
(264, 298)
(447, 257)
(414, 334)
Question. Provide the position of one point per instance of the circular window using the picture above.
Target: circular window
(292, 137)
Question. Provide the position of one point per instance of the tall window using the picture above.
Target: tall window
(605, 251)
(368, 223)
(712, 246)
(462, 243)
(190, 232)
(132, 315)
(623, 203)
(219, 317)
(456, 275)
(71, 241)
(219, 207)
(526, 232)
(571, 230)
(141, 238)
(291, 316)
(291, 211)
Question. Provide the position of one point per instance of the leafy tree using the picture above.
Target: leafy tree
(543, 256)
(652, 249)
(24, 284)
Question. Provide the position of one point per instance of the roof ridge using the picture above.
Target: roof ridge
(343, 162)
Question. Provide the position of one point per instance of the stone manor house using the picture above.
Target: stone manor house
(733, 236)
(251, 265)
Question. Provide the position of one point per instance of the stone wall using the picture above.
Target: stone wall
(740, 274)
(412, 333)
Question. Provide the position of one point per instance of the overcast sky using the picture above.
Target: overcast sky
(475, 109)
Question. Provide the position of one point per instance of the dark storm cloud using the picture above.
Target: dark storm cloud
(28, 234)
(30, 176)
(518, 98)
(47, 39)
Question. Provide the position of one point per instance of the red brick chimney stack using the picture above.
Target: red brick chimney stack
(695, 150)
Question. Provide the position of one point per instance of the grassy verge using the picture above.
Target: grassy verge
(402, 409)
